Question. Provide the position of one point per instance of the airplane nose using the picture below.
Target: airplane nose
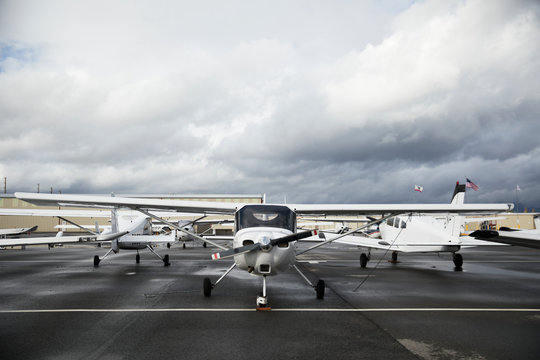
(265, 240)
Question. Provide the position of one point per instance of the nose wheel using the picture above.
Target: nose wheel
(262, 299)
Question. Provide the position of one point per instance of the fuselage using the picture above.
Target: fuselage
(409, 234)
(261, 224)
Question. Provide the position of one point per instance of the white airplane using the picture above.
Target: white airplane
(18, 231)
(123, 214)
(133, 227)
(264, 234)
(420, 233)
(139, 237)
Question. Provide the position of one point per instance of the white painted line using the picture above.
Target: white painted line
(28, 311)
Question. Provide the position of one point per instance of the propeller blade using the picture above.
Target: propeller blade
(236, 251)
(257, 246)
(293, 237)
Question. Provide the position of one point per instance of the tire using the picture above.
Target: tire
(166, 260)
(204, 244)
(363, 260)
(207, 287)
(96, 261)
(394, 257)
(320, 289)
(458, 261)
(137, 258)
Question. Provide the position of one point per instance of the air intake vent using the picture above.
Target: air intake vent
(264, 269)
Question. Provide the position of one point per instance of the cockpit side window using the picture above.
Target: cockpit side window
(403, 224)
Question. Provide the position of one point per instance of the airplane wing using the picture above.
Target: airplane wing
(371, 209)
(365, 242)
(56, 212)
(516, 237)
(19, 231)
(60, 240)
(230, 208)
(132, 203)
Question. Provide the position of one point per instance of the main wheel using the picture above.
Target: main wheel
(96, 261)
(183, 245)
(137, 258)
(204, 244)
(394, 257)
(458, 261)
(166, 260)
(320, 289)
(363, 260)
(207, 287)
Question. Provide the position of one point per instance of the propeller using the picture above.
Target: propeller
(258, 246)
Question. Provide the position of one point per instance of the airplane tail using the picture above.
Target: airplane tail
(456, 223)
(114, 229)
(114, 221)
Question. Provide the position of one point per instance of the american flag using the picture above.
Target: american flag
(471, 185)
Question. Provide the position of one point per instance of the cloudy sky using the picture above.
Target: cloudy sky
(318, 101)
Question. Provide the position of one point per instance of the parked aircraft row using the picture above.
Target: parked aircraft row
(265, 234)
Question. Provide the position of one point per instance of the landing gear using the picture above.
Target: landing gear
(97, 260)
(394, 258)
(319, 288)
(165, 259)
(207, 287)
(262, 300)
(458, 262)
(137, 257)
(204, 244)
(363, 260)
(183, 245)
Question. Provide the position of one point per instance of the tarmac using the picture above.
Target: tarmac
(55, 305)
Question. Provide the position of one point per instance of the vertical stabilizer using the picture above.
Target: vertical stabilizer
(114, 221)
(459, 194)
(456, 223)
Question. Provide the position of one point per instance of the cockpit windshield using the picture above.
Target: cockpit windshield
(265, 216)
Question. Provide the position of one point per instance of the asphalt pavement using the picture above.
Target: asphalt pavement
(54, 304)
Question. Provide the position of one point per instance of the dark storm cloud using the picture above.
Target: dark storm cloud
(341, 102)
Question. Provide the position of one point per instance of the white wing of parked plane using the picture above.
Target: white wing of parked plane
(18, 231)
(60, 240)
(527, 238)
(366, 242)
(230, 208)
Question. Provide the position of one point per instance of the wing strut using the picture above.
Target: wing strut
(348, 233)
(180, 229)
(77, 225)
